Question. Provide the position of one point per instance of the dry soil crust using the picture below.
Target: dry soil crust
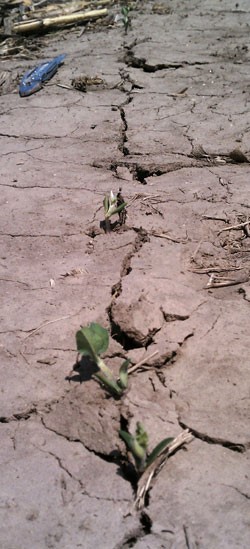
(176, 83)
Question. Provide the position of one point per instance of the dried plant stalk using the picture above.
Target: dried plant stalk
(221, 281)
(145, 481)
(61, 20)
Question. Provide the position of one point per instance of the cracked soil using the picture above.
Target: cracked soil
(166, 127)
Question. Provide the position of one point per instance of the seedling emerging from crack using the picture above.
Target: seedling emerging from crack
(125, 17)
(148, 466)
(112, 205)
(92, 341)
(138, 445)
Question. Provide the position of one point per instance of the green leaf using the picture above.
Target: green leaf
(92, 340)
(109, 382)
(141, 435)
(158, 449)
(121, 207)
(116, 209)
(123, 374)
(125, 11)
(131, 442)
(106, 203)
(139, 453)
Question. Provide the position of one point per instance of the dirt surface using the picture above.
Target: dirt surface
(164, 126)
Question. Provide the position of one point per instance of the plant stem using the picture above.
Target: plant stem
(107, 225)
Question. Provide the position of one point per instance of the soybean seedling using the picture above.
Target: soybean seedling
(112, 205)
(92, 341)
(126, 19)
(148, 465)
(138, 445)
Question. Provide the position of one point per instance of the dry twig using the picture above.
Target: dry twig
(163, 235)
(142, 363)
(32, 332)
(193, 256)
(238, 227)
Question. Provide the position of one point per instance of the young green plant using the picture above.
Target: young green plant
(138, 445)
(111, 208)
(125, 17)
(92, 341)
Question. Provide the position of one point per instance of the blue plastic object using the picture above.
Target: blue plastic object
(33, 80)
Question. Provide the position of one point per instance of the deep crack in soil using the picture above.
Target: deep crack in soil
(128, 340)
(216, 440)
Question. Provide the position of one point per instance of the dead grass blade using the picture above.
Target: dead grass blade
(145, 480)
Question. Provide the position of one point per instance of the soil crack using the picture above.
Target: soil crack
(234, 446)
(122, 147)
(128, 341)
(78, 480)
(247, 496)
(144, 529)
(131, 60)
(113, 457)
(26, 414)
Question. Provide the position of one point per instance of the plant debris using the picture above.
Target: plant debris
(75, 272)
(235, 156)
(221, 281)
(167, 237)
(27, 17)
(81, 83)
(240, 226)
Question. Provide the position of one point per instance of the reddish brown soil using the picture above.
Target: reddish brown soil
(176, 83)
